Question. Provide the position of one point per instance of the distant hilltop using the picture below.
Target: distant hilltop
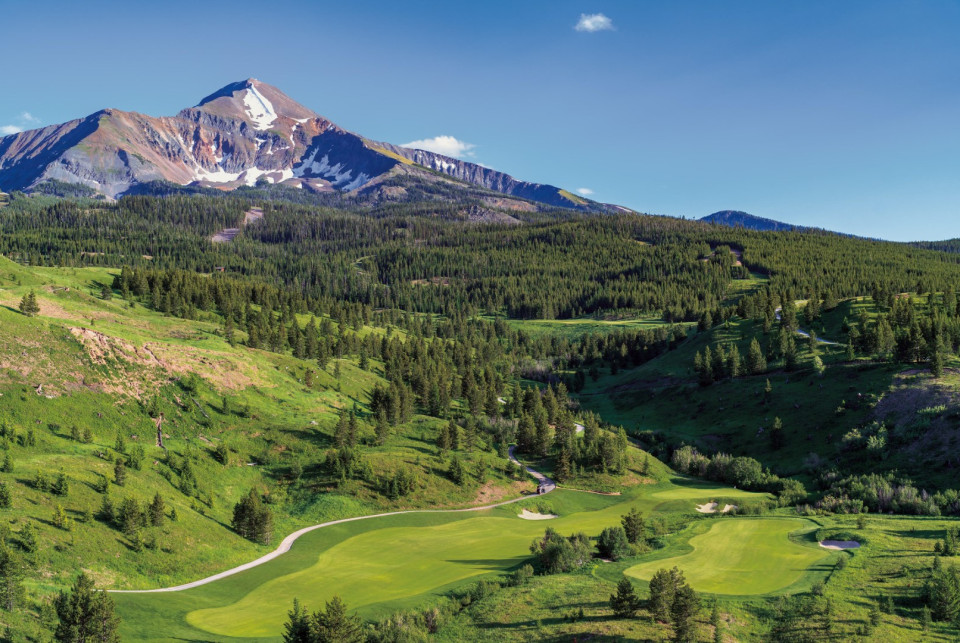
(738, 219)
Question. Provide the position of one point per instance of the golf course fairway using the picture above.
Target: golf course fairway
(740, 556)
(383, 564)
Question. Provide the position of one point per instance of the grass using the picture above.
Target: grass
(894, 562)
(744, 556)
(572, 328)
(663, 398)
(104, 379)
(404, 562)
(385, 564)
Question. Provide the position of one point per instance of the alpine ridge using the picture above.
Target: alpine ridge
(245, 132)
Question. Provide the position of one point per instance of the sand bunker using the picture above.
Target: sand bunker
(711, 508)
(526, 514)
(838, 545)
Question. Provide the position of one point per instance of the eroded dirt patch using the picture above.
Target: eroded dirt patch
(220, 370)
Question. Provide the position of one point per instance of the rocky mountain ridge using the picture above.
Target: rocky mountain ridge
(245, 132)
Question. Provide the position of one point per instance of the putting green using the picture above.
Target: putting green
(697, 492)
(740, 556)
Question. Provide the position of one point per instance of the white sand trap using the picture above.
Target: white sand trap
(711, 508)
(526, 514)
(838, 545)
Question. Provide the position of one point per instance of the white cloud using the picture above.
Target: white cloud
(26, 119)
(594, 22)
(446, 145)
(584, 191)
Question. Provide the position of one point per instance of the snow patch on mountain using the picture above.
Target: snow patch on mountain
(361, 179)
(259, 109)
(336, 174)
(220, 176)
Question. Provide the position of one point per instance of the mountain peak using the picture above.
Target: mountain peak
(254, 101)
(244, 132)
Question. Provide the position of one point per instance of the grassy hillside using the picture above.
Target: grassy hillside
(663, 401)
(87, 372)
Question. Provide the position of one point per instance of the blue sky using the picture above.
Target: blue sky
(844, 115)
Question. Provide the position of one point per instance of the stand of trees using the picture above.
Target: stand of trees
(252, 519)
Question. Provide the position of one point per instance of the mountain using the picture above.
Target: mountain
(244, 132)
(738, 219)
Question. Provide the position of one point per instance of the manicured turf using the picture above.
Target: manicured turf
(686, 492)
(378, 566)
(741, 556)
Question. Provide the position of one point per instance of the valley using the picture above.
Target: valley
(263, 378)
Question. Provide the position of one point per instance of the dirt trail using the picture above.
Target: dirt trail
(547, 484)
(227, 234)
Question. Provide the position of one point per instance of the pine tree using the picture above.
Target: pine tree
(61, 486)
(11, 577)
(86, 614)
(756, 362)
(455, 471)
(297, 627)
(119, 473)
(634, 526)
(29, 305)
(662, 590)
(686, 604)
(734, 362)
(157, 510)
(625, 602)
(382, 429)
(28, 538)
(335, 625)
(60, 519)
(936, 362)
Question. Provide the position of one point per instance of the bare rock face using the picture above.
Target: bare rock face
(243, 132)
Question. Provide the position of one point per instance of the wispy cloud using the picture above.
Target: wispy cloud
(591, 22)
(446, 145)
(584, 191)
(25, 120)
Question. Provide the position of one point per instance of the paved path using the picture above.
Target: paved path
(548, 486)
